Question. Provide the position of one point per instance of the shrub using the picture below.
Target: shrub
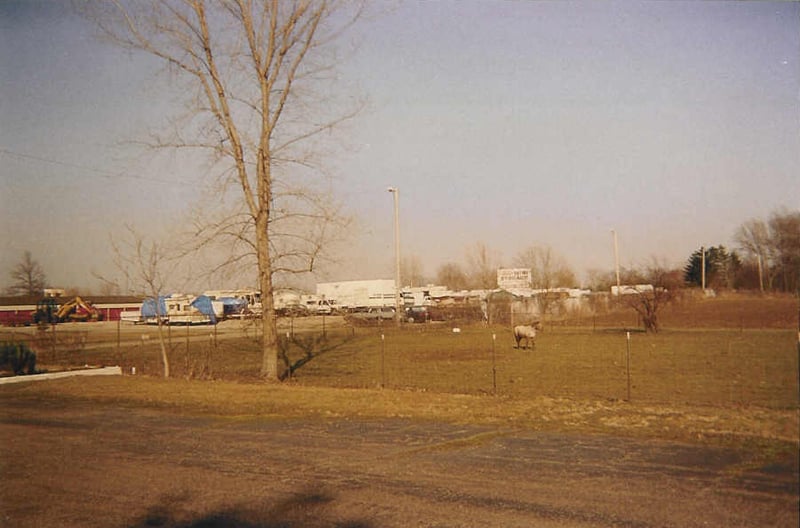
(18, 358)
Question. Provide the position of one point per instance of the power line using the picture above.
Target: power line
(101, 172)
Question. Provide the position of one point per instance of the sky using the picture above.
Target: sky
(512, 124)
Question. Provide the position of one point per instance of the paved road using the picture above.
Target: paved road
(82, 465)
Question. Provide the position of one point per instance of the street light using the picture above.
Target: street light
(396, 193)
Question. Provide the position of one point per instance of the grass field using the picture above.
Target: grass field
(753, 367)
(695, 366)
(726, 375)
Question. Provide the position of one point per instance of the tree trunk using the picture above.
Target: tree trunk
(269, 344)
(164, 353)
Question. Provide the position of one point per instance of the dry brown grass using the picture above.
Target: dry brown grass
(708, 382)
(769, 430)
(691, 310)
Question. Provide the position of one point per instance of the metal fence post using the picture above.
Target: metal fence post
(494, 366)
(383, 361)
(628, 364)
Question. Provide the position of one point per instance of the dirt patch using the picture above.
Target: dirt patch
(111, 465)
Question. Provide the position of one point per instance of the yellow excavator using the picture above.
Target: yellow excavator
(78, 310)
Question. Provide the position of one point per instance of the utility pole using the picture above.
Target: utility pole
(616, 259)
(703, 267)
(396, 193)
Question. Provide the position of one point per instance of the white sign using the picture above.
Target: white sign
(513, 278)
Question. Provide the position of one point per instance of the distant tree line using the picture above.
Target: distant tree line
(548, 269)
(768, 257)
(770, 252)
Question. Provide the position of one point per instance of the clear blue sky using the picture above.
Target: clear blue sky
(510, 123)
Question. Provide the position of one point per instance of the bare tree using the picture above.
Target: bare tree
(604, 280)
(411, 271)
(753, 238)
(251, 68)
(649, 302)
(784, 226)
(144, 263)
(776, 247)
(452, 276)
(109, 288)
(482, 263)
(548, 269)
(27, 277)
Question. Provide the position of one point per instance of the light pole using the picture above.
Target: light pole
(703, 268)
(616, 258)
(396, 193)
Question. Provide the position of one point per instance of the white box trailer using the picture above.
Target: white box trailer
(359, 293)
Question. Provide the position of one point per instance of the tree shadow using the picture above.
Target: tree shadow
(304, 509)
(310, 346)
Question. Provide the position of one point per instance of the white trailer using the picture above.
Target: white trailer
(284, 298)
(359, 293)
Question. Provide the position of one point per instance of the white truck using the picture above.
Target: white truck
(358, 294)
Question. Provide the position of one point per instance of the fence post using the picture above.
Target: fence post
(494, 366)
(628, 364)
(383, 361)
(53, 325)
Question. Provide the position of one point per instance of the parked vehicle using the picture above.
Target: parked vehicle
(49, 311)
(382, 312)
(46, 311)
(78, 310)
(418, 314)
(319, 307)
(373, 315)
(292, 310)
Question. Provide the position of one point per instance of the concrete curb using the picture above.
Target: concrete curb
(105, 371)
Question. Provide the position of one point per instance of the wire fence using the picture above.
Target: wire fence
(730, 367)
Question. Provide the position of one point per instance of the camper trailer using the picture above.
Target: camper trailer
(237, 303)
(178, 309)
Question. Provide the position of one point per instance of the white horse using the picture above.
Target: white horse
(526, 332)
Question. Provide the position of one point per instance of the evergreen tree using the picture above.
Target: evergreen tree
(720, 267)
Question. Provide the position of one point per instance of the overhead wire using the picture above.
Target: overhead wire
(102, 172)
